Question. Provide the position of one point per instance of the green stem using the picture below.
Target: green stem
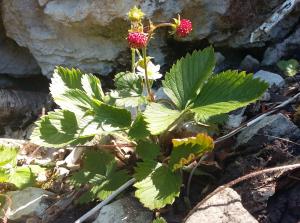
(146, 75)
(164, 25)
(133, 60)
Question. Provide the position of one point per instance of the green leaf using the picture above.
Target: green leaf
(159, 220)
(64, 79)
(100, 172)
(187, 76)
(138, 129)
(8, 155)
(4, 175)
(75, 100)
(129, 90)
(125, 100)
(92, 86)
(147, 150)
(159, 118)
(188, 149)
(111, 118)
(57, 129)
(226, 92)
(22, 177)
(128, 82)
(289, 67)
(157, 186)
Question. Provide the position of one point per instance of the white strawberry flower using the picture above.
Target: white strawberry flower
(152, 70)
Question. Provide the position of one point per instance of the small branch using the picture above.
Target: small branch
(284, 9)
(238, 180)
(279, 138)
(106, 201)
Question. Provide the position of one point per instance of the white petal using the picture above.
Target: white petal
(140, 69)
(155, 76)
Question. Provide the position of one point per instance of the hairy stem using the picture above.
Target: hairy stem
(163, 25)
(133, 60)
(146, 75)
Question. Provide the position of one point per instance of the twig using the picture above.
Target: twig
(242, 127)
(283, 139)
(284, 9)
(240, 179)
(191, 174)
(106, 201)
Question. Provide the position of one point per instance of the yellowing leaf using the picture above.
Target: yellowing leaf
(187, 149)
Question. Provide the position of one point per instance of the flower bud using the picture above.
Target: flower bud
(135, 14)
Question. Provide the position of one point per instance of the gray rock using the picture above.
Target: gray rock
(91, 34)
(15, 60)
(27, 202)
(276, 125)
(266, 96)
(283, 49)
(125, 210)
(223, 207)
(235, 119)
(160, 94)
(270, 78)
(17, 108)
(249, 63)
(220, 58)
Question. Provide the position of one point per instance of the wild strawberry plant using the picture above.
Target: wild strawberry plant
(13, 176)
(131, 111)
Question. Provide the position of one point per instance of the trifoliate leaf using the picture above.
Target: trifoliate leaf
(159, 220)
(92, 86)
(226, 92)
(100, 172)
(157, 186)
(187, 149)
(289, 67)
(138, 129)
(159, 118)
(64, 79)
(57, 129)
(183, 82)
(22, 177)
(8, 155)
(147, 150)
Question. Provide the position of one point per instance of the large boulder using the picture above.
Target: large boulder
(28, 202)
(15, 60)
(91, 34)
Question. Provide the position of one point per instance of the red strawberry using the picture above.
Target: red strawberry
(137, 40)
(184, 28)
